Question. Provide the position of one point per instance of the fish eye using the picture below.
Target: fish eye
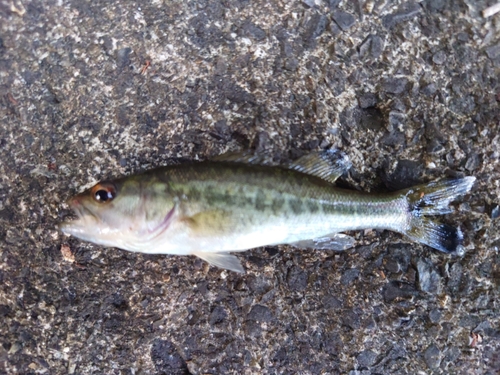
(103, 193)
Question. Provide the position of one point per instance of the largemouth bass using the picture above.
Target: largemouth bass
(237, 202)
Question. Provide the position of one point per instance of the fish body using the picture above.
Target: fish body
(233, 204)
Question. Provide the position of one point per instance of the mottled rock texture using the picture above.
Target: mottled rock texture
(92, 89)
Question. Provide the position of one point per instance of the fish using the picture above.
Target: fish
(240, 201)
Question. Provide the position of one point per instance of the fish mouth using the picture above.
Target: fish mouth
(81, 220)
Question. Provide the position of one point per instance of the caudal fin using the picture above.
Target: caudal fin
(434, 199)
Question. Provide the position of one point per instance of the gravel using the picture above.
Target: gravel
(90, 90)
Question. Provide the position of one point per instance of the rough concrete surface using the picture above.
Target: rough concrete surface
(92, 89)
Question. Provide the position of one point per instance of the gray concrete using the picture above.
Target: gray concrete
(410, 91)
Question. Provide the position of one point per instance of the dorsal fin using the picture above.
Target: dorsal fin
(246, 157)
(328, 165)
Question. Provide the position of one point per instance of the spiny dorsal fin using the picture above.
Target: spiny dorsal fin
(246, 157)
(328, 165)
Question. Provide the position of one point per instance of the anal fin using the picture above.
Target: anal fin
(222, 260)
(337, 242)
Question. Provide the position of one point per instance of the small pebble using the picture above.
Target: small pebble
(432, 357)
(439, 58)
(343, 19)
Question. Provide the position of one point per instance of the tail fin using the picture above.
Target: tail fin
(433, 199)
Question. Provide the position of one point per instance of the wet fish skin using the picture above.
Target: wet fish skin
(211, 208)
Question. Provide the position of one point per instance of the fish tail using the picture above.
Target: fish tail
(433, 199)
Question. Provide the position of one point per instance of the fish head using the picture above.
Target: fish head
(116, 213)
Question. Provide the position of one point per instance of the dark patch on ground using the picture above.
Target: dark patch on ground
(166, 359)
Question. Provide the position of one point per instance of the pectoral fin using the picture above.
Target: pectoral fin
(337, 242)
(222, 260)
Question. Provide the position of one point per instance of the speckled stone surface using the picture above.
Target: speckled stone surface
(92, 89)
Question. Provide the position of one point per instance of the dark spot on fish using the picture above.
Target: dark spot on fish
(330, 209)
(260, 200)
(209, 191)
(245, 200)
(312, 206)
(213, 196)
(296, 205)
(229, 198)
(194, 194)
(277, 204)
(242, 198)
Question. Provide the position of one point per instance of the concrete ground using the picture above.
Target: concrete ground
(93, 89)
